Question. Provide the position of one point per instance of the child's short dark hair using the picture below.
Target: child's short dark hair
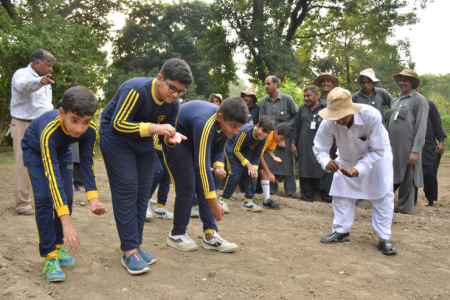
(177, 69)
(266, 123)
(284, 129)
(79, 100)
(234, 109)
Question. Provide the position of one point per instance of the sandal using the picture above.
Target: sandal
(387, 247)
(335, 238)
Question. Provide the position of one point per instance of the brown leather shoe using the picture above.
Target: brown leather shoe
(28, 212)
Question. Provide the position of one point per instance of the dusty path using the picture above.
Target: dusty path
(279, 256)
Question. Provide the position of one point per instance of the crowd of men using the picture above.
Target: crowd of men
(347, 148)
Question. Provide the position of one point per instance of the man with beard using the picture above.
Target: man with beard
(407, 126)
(282, 108)
(307, 122)
(371, 95)
(249, 96)
(326, 82)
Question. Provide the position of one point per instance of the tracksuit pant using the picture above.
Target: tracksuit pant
(382, 212)
(187, 183)
(49, 227)
(235, 169)
(161, 177)
(129, 164)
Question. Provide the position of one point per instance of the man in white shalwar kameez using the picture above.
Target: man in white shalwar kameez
(363, 168)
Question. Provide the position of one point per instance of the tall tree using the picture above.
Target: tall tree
(155, 32)
(270, 31)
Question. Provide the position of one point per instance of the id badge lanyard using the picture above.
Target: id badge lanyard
(313, 123)
(396, 114)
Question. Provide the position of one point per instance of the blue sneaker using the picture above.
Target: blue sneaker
(52, 270)
(65, 260)
(269, 203)
(147, 256)
(135, 264)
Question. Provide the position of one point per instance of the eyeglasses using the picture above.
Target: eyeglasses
(174, 90)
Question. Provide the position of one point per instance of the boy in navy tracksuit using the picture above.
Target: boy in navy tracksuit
(161, 177)
(244, 151)
(140, 108)
(207, 128)
(48, 159)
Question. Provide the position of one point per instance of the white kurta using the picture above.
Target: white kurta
(364, 146)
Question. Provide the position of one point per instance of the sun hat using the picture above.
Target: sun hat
(249, 92)
(340, 105)
(217, 96)
(409, 73)
(328, 76)
(369, 73)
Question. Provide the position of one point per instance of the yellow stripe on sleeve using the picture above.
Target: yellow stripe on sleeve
(120, 123)
(202, 156)
(93, 126)
(237, 149)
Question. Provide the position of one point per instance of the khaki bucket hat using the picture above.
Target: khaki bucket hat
(217, 96)
(409, 73)
(328, 76)
(249, 92)
(340, 105)
(369, 73)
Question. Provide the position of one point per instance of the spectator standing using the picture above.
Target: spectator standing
(31, 96)
(282, 108)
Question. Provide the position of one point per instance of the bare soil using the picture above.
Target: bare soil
(279, 257)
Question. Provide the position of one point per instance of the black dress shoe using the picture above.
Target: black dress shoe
(335, 238)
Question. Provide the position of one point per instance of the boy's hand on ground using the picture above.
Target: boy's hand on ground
(217, 210)
(333, 166)
(252, 171)
(271, 177)
(176, 139)
(97, 207)
(70, 233)
(277, 159)
(349, 173)
(220, 173)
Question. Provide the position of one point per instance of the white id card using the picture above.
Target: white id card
(313, 125)
(396, 116)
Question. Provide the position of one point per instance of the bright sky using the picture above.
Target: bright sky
(429, 39)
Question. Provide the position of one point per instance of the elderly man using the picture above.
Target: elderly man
(371, 95)
(407, 126)
(363, 169)
(31, 96)
(307, 122)
(282, 108)
(326, 82)
(431, 153)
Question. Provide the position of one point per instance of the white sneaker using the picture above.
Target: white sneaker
(162, 212)
(251, 206)
(219, 244)
(149, 214)
(225, 206)
(181, 242)
(152, 202)
(195, 213)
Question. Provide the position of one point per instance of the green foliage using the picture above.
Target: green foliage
(288, 87)
(75, 47)
(437, 89)
(155, 32)
(236, 88)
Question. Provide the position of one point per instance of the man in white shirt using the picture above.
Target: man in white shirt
(31, 96)
(363, 169)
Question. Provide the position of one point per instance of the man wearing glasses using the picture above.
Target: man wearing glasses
(141, 107)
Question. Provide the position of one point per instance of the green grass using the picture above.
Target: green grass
(6, 158)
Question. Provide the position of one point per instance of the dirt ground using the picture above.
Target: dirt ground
(279, 257)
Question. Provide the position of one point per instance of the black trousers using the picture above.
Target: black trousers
(308, 187)
(77, 176)
(430, 183)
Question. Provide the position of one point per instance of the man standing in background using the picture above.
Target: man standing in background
(282, 108)
(31, 96)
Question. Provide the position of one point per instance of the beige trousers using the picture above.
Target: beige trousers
(21, 180)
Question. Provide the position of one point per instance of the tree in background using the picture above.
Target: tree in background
(155, 32)
(76, 48)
